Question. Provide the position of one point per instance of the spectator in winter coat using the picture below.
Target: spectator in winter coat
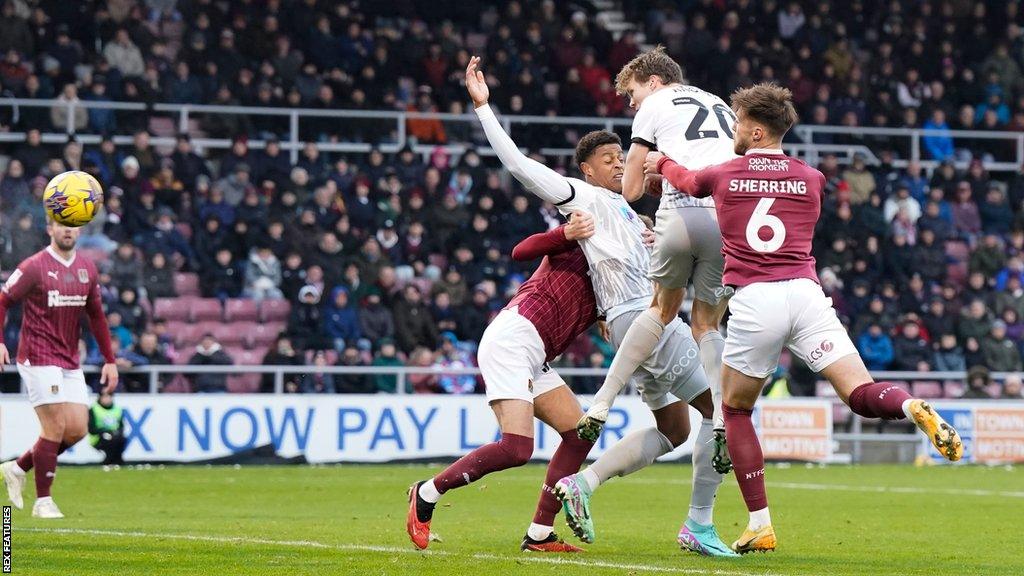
(281, 353)
(158, 278)
(966, 220)
(978, 380)
(414, 325)
(912, 351)
(875, 348)
(375, 320)
(1000, 353)
(210, 353)
(454, 355)
(352, 383)
(387, 356)
(938, 143)
(126, 270)
(948, 356)
(305, 325)
(996, 215)
(124, 55)
(975, 321)
(263, 275)
(318, 382)
(341, 320)
(224, 279)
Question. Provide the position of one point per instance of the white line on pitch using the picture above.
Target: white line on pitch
(382, 549)
(826, 487)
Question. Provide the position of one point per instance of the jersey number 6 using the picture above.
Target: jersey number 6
(693, 131)
(761, 219)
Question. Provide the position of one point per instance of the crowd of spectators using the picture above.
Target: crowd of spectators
(403, 259)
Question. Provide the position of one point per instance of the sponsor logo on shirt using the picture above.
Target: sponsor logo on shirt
(54, 299)
(761, 164)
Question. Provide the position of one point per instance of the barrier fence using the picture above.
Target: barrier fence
(795, 429)
(392, 125)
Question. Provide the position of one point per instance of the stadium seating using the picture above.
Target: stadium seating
(186, 284)
(240, 309)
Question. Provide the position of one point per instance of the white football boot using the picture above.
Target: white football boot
(14, 478)
(46, 508)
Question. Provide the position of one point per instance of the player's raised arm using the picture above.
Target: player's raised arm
(555, 241)
(534, 176)
(633, 182)
(691, 182)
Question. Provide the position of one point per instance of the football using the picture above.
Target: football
(73, 198)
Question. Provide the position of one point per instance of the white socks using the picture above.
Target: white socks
(428, 492)
(711, 346)
(591, 478)
(637, 345)
(634, 452)
(906, 410)
(538, 532)
(705, 480)
(759, 519)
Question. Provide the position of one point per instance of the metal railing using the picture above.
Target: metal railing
(156, 373)
(394, 123)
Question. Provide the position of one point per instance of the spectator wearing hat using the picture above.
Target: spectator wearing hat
(272, 164)
(352, 383)
(999, 352)
(210, 353)
(876, 348)
(306, 323)
(1012, 389)
(376, 321)
(101, 120)
(235, 185)
(978, 380)
(341, 319)
(453, 355)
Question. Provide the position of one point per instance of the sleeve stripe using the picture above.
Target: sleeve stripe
(572, 195)
(639, 140)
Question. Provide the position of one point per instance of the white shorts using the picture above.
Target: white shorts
(688, 247)
(54, 385)
(672, 372)
(765, 316)
(511, 357)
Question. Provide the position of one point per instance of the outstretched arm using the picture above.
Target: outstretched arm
(534, 176)
(691, 182)
(555, 241)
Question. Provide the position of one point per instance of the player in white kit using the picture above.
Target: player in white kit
(619, 265)
(694, 128)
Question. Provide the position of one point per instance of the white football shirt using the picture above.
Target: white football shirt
(690, 126)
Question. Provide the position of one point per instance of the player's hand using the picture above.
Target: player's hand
(591, 424)
(476, 84)
(109, 377)
(653, 184)
(5, 357)
(651, 162)
(602, 329)
(649, 237)
(580, 227)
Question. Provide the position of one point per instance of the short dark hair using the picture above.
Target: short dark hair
(592, 141)
(767, 104)
(651, 63)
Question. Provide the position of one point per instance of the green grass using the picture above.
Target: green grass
(350, 520)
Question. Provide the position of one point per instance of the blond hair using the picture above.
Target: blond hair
(652, 63)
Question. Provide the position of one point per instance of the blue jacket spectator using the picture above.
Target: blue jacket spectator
(876, 348)
(939, 145)
(341, 319)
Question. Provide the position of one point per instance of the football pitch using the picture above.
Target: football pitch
(842, 520)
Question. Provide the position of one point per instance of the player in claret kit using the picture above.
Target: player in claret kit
(56, 285)
(768, 205)
(545, 316)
